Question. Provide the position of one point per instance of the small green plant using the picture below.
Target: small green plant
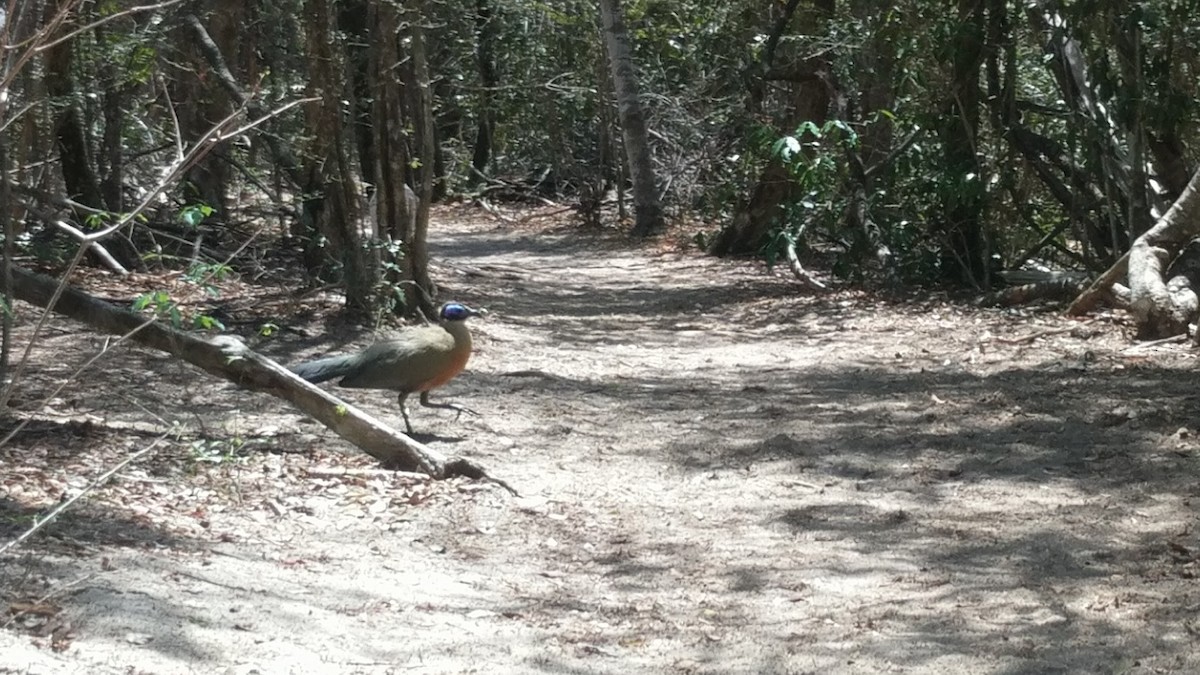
(194, 214)
(165, 308)
(206, 322)
(161, 304)
(96, 221)
(388, 290)
(203, 274)
(217, 450)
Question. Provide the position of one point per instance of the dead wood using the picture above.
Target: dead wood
(803, 275)
(1077, 329)
(230, 359)
(1100, 289)
(1163, 305)
(1054, 290)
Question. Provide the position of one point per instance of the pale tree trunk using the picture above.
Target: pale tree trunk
(6, 226)
(1163, 307)
(647, 205)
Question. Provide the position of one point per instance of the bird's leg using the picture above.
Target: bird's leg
(448, 406)
(404, 413)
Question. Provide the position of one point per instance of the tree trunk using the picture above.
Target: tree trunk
(809, 94)
(964, 199)
(281, 152)
(485, 60)
(395, 204)
(358, 20)
(201, 102)
(6, 226)
(1170, 157)
(332, 202)
(761, 212)
(75, 157)
(1163, 307)
(647, 205)
(417, 249)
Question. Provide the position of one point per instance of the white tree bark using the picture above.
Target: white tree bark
(647, 205)
(1164, 307)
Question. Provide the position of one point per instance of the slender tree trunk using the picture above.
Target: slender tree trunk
(395, 203)
(75, 157)
(485, 60)
(111, 155)
(422, 109)
(333, 202)
(963, 200)
(6, 226)
(201, 102)
(356, 18)
(647, 205)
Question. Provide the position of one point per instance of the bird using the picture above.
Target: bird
(419, 359)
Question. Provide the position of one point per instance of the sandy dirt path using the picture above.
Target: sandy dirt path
(718, 472)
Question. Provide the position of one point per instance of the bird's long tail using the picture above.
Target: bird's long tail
(324, 369)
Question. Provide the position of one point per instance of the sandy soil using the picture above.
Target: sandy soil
(719, 473)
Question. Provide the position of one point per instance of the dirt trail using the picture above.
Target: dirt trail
(719, 474)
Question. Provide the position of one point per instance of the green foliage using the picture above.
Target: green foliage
(98, 221)
(390, 289)
(203, 274)
(205, 322)
(161, 305)
(807, 153)
(218, 451)
(717, 116)
(194, 214)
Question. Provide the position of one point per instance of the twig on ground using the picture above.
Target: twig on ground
(103, 478)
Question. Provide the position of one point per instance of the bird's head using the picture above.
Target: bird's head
(456, 311)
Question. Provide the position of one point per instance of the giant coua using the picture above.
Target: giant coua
(417, 360)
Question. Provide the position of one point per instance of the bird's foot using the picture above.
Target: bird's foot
(460, 409)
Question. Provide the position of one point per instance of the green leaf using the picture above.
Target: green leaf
(195, 214)
(206, 322)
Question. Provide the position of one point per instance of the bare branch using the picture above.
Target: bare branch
(798, 270)
(107, 19)
(100, 480)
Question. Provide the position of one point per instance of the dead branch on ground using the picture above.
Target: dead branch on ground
(800, 273)
(230, 359)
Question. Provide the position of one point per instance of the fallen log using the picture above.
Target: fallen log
(229, 358)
